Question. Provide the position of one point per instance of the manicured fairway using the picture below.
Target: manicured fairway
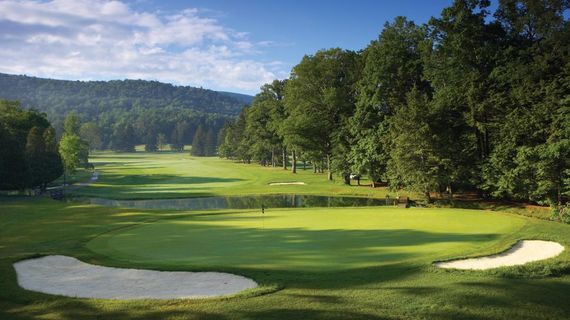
(309, 239)
(174, 175)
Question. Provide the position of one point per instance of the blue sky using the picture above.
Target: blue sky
(299, 27)
(217, 44)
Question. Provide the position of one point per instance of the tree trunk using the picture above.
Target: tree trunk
(346, 178)
(284, 159)
(314, 167)
(294, 164)
(330, 177)
(273, 158)
(304, 165)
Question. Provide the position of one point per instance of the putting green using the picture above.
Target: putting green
(308, 239)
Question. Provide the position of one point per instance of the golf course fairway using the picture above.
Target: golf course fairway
(309, 239)
(310, 263)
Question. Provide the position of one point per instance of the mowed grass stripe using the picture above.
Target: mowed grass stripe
(177, 175)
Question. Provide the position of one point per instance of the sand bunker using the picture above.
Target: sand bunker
(70, 277)
(522, 252)
(286, 183)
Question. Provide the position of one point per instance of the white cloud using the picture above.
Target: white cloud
(98, 39)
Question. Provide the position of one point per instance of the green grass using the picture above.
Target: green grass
(80, 175)
(175, 175)
(329, 263)
(312, 263)
(316, 239)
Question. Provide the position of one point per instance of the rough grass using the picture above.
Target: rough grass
(388, 273)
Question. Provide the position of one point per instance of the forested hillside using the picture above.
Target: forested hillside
(119, 114)
(93, 97)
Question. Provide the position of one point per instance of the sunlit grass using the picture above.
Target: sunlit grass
(174, 175)
(371, 263)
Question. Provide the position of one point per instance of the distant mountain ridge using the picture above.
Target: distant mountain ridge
(94, 97)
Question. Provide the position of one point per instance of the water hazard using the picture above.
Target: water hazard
(245, 202)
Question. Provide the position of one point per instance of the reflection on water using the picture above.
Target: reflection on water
(245, 202)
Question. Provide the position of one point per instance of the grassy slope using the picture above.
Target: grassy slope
(391, 289)
(172, 175)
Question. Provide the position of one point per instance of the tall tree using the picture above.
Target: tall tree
(123, 138)
(264, 118)
(72, 124)
(459, 69)
(414, 161)
(74, 151)
(530, 159)
(161, 141)
(178, 136)
(319, 99)
(91, 133)
(210, 142)
(199, 143)
(393, 66)
(23, 148)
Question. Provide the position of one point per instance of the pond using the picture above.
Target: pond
(245, 202)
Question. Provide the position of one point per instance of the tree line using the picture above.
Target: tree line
(123, 113)
(31, 156)
(470, 101)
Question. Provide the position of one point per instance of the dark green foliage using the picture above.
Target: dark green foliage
(210, 143)
(91, 132)
(392, 66)
(161, 141)
(531, 157)
(414, 161)
(264, 121)
(319, 99)
(467, 102)
(147, 105)
(28, 151)
(179, 136)
(199, 143)
(123, 138)
(95, 97)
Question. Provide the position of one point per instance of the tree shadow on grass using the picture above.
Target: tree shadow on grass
(122, 180)
(148, 186)
(298, 257)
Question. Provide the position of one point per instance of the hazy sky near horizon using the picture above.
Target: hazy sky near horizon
(217, 44)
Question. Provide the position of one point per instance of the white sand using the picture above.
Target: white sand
(522, 252)
(286, 183)
(67, 276)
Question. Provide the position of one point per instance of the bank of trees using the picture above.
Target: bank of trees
(118, 115)
(469, 101)
(29, 154)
